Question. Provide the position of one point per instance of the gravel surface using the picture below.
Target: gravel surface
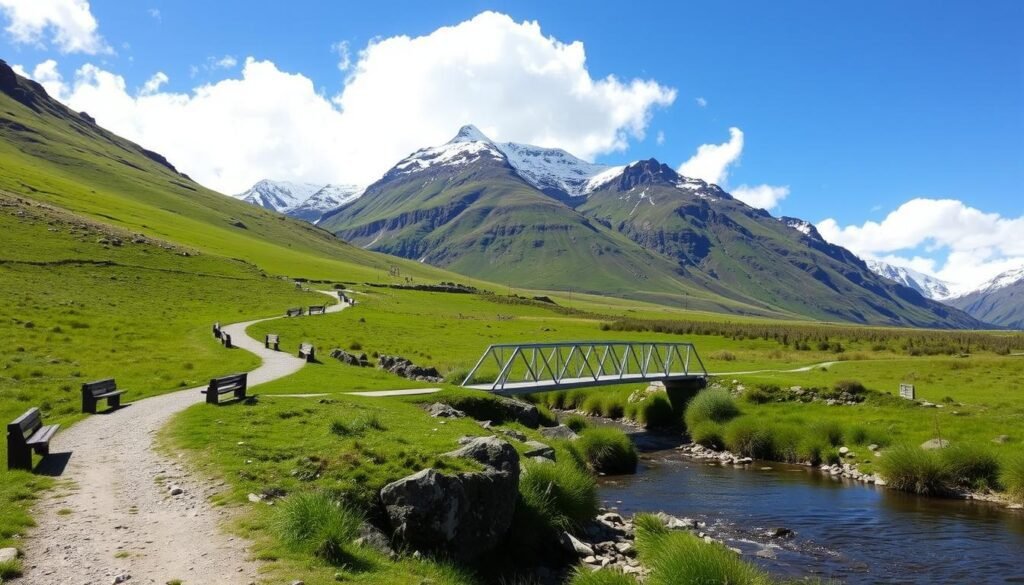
(123, 509)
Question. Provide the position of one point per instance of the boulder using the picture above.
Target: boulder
(573, 545)
(935, 444)
(559, 432)
(442, 410)
(351, 359)
(372, 538)
(513, 434)
(462, 515)
(524, 413)
(538, 449)
(8, 555)
(673, 523)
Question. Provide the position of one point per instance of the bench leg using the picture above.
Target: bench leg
(277, 347)
(114, 402)
(19, 457)
(211, 397)
(88, 405)
(240, 394)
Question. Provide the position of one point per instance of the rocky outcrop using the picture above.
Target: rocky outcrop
(351, 359)
(559, 432)
(404, 367)
(462, 515)
(442, 410)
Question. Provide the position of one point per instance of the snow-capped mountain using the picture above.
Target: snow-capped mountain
(1000, 281)
(328, 198)
(929, 286)
(306, 201)
(999, 301)
(551, 170)
(278, 196)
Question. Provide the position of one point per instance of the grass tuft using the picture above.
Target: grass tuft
(576, 422)
(916, 470)
(749, 438)
(715, 405)
(607, 450)
(10, 569)
(680, 557)
(1012, 478)
(971, 466)
(563, 495)
(312, 521)
(709, 434)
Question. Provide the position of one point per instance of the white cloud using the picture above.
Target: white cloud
(154, 83)
(712, 161)
(225, 62)
(47, 75)
(761, 196)
(701, 102)
(344, 56)
(69, 24)
(401, 94)
(977, 245)
(660, 137)
(155, 13)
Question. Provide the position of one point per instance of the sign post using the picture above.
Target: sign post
(907, 391)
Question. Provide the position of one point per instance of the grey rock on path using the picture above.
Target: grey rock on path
(118, 492)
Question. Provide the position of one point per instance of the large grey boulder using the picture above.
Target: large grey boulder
(523, 413)
(461, 515)
(538, 449)
(559, 432)
(442, 410)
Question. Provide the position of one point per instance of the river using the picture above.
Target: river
(845, 531)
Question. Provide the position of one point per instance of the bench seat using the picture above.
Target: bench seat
(26, 434)
(234, 384)
(93, 392)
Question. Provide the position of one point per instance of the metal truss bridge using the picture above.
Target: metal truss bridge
(523, 368)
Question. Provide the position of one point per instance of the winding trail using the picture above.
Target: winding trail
(113, 513)
(793, 371)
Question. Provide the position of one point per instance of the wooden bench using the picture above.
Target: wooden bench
(235, 383)
(93, 392)
(296, 312)
(27, 434)
(216, 330)
(225, 338)
(317, 309)
(306, 350)
(272, 339)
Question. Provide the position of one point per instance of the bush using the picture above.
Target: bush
(749, 438)
(1012, 478)
(607, 450)
(912, 469)
(714, 405)
(680, 557)
(656, 411)
(562, 494)
(312, 521)
(602, 577)
(709, 434)
(576, 422)
(971, 466)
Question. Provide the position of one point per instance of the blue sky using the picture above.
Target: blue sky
(857, 108)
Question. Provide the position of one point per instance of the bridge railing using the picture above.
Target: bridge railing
(580, 363)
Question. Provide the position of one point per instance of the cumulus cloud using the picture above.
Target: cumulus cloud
(712, 161)
(68, 24)
(344, 55)
(401, 93)
(760, 196)
(701, 102)
(660, 137)
(977, 245)
(225, 62)
(154, 83)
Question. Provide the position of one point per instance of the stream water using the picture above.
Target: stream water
(845, 531)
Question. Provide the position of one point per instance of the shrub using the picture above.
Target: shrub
(607, 450)
(656, 411)
(576, 422)
(709, 434)
(714, 405)
(602, 577)
(562, 494)
(749, 438)
(680, 557)
(1012, 478)
(912, 469)
(312, 521)
(971, 466)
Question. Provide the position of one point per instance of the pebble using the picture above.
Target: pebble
(176, 490)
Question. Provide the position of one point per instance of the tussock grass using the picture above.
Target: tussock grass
(10, 569)
(971, 466)
(681, 558)
(656, 411)
(602, 577)
(560, 495)
(709, 434)
(607, 450)
(576, 422)
(316, 523)
(648, 527)
(749, 438)
(1012, 477)
(916, 470)
(713, 404)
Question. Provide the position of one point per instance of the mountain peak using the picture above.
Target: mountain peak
(646, 172)
(469, 133)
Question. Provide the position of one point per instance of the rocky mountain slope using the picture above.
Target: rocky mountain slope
(928, 286)
(999, 301)
(543, 218)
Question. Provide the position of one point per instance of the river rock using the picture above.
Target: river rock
(463, 515)
(779, 532)
(673, 523)
(935, 444)
(8, 555)
(559, 432)
(873, 447)
(844, 450)
(442, 410)
(538, 449)
(571, 544)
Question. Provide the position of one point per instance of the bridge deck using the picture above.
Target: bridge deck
(529, 386)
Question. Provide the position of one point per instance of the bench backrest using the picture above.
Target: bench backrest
(272, 338)
(23, 426)
(306, 348)
(317, 309)
(228, 382)
(99, 387)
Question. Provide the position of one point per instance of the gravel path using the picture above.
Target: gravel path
(114, 513)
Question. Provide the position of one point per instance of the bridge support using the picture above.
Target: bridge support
(680, 392)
